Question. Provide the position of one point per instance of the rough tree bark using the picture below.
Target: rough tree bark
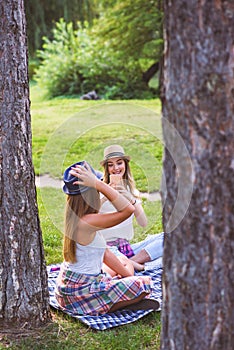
(198, 100)
(23, 278)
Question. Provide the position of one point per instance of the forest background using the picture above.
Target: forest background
(110, 46)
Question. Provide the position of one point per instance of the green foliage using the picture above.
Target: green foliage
(134, 29)
(42, 14)
(74, 62)
(62, 60)
(110, 57)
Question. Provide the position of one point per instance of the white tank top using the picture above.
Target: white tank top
(122, 230)
(89, 258)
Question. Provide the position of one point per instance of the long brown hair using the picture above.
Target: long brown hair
(127, 177)
(76, 207)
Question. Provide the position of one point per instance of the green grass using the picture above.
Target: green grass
(68, 334)
(51, 209)
(65, 131)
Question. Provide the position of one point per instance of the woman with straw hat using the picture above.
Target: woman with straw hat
(117, 174)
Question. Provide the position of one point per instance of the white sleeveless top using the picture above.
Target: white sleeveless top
(122, 230)
(89, 258)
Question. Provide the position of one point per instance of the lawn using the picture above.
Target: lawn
(65, 130)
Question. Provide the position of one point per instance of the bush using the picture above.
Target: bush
(60, 65)
(76, 61)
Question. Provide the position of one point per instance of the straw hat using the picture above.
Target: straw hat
(113, 151)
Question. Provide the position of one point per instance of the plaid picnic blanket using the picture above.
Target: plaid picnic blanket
(117, 318)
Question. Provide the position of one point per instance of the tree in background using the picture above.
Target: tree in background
(197, 98)
(23, 278)
(42, 15)
(134, 31)
(117, 56)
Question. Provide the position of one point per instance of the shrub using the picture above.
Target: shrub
(77, 61)
(60, 59)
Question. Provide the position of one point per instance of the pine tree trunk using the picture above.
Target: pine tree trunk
(23, 277)
(198, 101)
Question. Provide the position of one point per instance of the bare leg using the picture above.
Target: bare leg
(129, 264)
(108, 270)
(137, 266)
(141, 257)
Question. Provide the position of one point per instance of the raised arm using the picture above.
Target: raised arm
(123, 206)
(139, 212)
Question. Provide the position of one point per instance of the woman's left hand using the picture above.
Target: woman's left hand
(85, 176)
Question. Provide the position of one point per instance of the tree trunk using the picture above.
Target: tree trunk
(23, 277)
(198, 101)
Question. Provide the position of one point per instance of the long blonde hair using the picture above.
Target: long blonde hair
(127, 177)
(76, 207)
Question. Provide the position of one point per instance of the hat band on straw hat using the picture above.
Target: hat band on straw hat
(113, 151)
(114, 154)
